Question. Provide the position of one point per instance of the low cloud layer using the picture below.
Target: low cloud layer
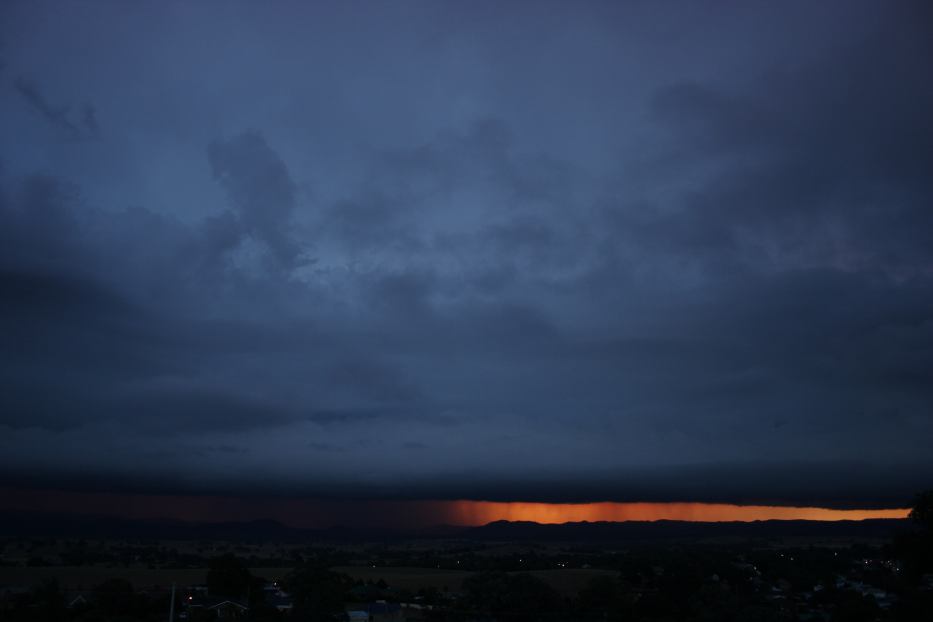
(412, 253)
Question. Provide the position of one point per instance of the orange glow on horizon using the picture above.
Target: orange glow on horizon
(318, 513)
(482, 512)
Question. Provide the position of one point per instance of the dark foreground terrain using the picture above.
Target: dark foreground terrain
(94, 568)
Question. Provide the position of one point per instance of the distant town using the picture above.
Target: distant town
(508, 571)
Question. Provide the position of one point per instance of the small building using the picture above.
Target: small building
(281, 601)
(223, 608)
(378, 611)
(229, 610)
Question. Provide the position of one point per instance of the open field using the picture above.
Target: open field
(568, 581)
(80, 577)
(409, 578)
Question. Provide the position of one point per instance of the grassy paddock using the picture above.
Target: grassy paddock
(567, 581)
(84, 577)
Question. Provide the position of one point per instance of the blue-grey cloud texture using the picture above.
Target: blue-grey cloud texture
(542, 250)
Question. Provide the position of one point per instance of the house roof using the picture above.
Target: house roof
(213, 603)
(382, 607)
(228, 602)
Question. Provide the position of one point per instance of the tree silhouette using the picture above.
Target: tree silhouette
(915, 547)
(922, 512)
(229, 577)
(318, 593)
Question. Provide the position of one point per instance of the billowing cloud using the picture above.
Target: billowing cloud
(76, 125)
(260, 190)
(441, 262)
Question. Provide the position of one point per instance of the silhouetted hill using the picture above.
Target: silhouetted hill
(664, 529)
(89, 526)
(35, 524)
(92, 526)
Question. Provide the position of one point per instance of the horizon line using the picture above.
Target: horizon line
(311, 512)
(485, 512)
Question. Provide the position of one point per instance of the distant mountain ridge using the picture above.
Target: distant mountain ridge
(36, 524)
(670, 529)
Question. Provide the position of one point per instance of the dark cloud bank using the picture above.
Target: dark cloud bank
(547, 252)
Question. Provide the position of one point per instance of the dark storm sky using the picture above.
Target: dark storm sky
(538, 251)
